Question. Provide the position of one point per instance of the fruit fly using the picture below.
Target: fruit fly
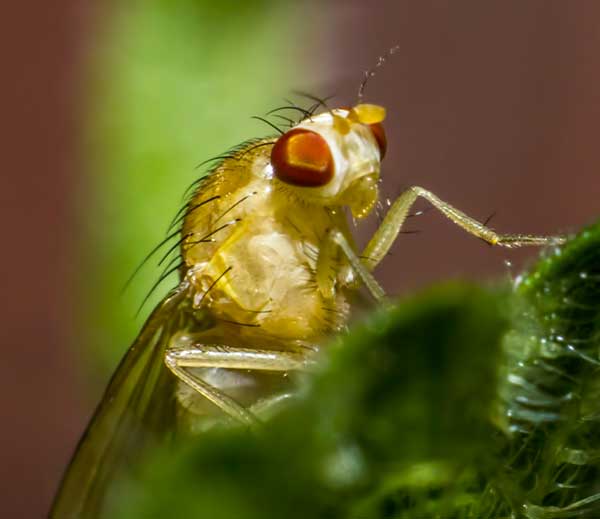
(268, 265)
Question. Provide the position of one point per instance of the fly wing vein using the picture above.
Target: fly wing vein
(136, 410)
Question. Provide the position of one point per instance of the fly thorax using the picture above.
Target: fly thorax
(260, 276)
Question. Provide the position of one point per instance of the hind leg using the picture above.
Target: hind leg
(179, 358)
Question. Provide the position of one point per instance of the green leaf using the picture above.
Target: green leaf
(403, 402)
(551, 388)
(173, 84)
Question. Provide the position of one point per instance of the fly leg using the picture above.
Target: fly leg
(387, 232)
(178, 358)
(333, 242)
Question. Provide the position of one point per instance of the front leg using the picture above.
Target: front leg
(386, 234)
(178, 358)
(326, 271)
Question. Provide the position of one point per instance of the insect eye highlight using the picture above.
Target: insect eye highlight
(379, 134)
(302, 158)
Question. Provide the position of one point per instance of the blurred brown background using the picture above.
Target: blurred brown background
(492, 105)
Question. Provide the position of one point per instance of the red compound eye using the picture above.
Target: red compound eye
(302, 158)
(379, 134)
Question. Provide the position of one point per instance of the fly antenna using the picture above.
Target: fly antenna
(373, 71)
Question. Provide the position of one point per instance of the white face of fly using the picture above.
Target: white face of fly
(334, 157)
(355, 153)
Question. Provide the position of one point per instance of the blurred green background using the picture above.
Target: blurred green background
(174, 84)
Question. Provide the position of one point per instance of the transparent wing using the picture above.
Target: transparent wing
(137, 410)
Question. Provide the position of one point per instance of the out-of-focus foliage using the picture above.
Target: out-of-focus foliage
(393, 405)
(174, 83)
(459, 403)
